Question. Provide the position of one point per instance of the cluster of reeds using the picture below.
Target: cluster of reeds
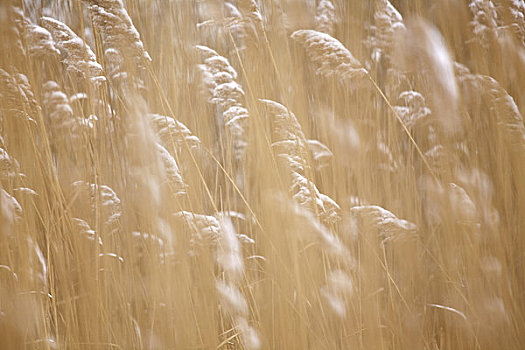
(243, 174)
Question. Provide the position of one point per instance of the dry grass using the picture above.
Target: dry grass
(249, 174)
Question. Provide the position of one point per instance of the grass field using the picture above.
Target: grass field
(262, 174)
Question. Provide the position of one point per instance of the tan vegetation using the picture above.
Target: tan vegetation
(272, 174)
